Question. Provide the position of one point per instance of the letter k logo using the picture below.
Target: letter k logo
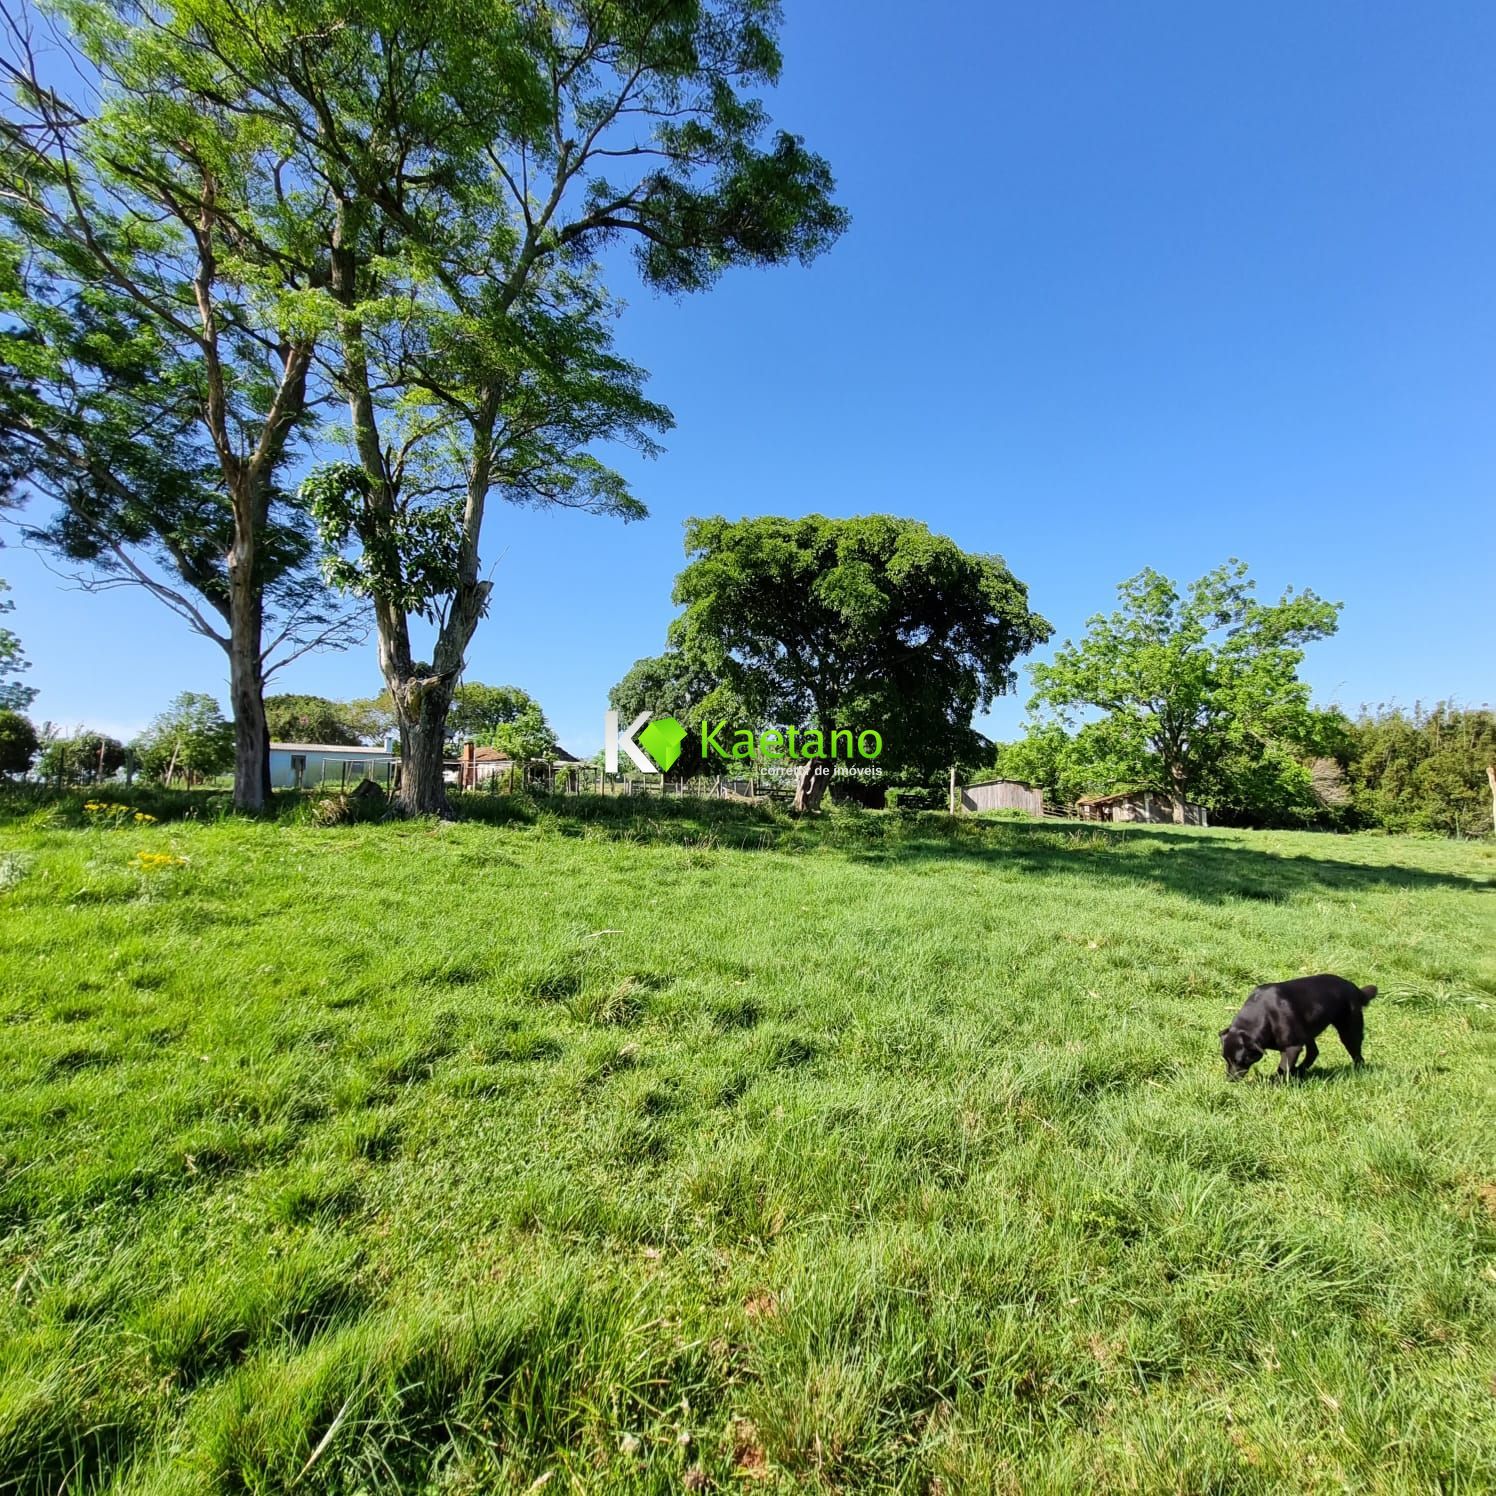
(662, 738)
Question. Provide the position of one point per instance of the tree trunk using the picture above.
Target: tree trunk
(1180, 803)
(247, 686)
(810, 786)
(421, 706)
(423, 693)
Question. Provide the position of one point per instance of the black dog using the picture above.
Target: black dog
(1288, 1016)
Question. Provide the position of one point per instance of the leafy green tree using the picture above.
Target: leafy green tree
(190, 738)
(309, 719)
(670, 684)
(479, 711)
(526, 737)
(868, 623)
(1423, 770)
(19, 743)
(14, 697)
(371, 717)
(156, 363)
(1197, 688)
(85, 757)
(475, 175)
(1046, 756)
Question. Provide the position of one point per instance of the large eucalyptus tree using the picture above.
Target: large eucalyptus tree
(470, 164)
(157, 345)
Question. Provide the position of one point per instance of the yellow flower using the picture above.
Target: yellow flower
(142, 819)
(150, 862)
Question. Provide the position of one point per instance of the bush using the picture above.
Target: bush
(18, 743)
(918, 797)
(365, 802)
(85, 758)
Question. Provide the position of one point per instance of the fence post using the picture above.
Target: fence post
(954, 803)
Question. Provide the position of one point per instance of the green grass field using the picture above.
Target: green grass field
(642, 1147)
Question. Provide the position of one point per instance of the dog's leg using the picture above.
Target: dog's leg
(1350, 1028)
(1311, 1054)
(1285, 1065)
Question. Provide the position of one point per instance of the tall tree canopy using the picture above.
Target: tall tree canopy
(1424, 769)
(872, 622)
(190, 738)
(672, 685)
(14, 697)
(294, 718)
(479, 711)
(156, 365)
(1199, 691)
(474, 173)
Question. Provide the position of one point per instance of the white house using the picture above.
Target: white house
(335, 765)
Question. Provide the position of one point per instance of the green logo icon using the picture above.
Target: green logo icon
(661, 740)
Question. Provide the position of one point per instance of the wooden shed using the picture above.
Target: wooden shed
(1003, 794)
(1138, 805)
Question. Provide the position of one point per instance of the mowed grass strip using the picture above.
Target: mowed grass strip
(641, 1146)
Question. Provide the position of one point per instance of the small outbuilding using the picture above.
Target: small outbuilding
(306, 766)
(1003, 794)
(1138, 805)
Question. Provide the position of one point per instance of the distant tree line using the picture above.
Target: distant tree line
(1195, 693)
(1419, 770)
(192, 740)
(874, 622)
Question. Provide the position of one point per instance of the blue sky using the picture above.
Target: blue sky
(1125, 286)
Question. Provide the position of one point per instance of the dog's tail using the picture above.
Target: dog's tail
(1367, 993)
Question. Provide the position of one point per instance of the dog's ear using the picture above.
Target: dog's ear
(1368, 993)
(1225, 1031)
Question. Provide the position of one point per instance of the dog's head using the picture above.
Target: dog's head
(1240, 1053)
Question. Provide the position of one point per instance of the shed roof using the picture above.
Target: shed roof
(347, 750)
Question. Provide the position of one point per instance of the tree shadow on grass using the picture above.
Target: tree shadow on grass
(1203, 866)
(1197, 865)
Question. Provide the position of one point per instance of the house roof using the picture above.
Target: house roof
(1127, 795)
(486, 754)
(347, 750)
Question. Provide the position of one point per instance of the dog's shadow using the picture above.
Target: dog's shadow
(1332, 1074)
